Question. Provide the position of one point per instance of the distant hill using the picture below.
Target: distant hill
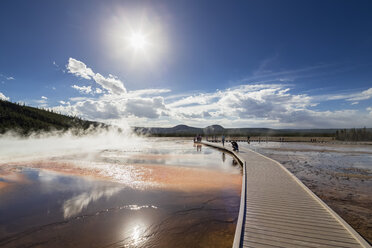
(180, 130)
(184, 130)
(25, 119)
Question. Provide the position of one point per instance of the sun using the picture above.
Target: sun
(136, 38)
(138, 41)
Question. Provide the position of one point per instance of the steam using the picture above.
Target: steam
(79, 152)
(112, 154)
(15, 148)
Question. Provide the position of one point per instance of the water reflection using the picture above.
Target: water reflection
(136, 168)
(75, 205)
(197, 204)
(198, 147)
(137, 207)
(234, 162)
(137, 236)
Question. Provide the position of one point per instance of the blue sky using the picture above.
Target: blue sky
(279, 64)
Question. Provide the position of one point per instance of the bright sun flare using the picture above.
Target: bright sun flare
(138, 41)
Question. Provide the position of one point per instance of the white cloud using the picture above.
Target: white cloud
(260, 105)
(248, 105)
(358, 96)
(79, 98)
(200, 99)
(78, 68)
(113, 108)
(83, 89)
(263, 73)
(41, 102)
(149, 108)
(364, 95)
(115, 102)
(111, 83)
(370, 110)
(7, 77)
(147, 92)
(61, 69)
(100, 110)
(3, 97)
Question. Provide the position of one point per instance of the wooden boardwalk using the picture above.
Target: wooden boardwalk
(277, 210)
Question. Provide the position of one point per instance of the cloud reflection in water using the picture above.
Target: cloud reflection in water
(76, 204)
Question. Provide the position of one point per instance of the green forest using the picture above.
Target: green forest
(354, 134)
(25, 120)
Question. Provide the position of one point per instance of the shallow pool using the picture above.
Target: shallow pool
(168, 194)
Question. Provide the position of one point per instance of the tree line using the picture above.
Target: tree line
(25, 120)
(354, 134)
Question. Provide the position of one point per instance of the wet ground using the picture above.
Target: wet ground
(341, 175)
(167, 194)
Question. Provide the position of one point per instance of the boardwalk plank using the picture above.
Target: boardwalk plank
(315, 239)
(301, 232)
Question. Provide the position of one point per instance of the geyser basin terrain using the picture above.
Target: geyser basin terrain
(166, 193)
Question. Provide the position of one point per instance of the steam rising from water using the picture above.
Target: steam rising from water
(72, 152)
(119, 156)
(15, 148)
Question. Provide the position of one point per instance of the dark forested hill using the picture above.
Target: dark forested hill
(25, 119)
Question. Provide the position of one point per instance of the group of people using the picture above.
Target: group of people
(198, 138)
(235, 146)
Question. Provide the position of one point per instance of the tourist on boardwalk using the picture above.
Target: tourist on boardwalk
(223, 140)
(235, 146)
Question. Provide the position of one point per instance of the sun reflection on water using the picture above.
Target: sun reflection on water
(136, 235)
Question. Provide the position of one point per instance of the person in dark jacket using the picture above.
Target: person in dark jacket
(235, 146)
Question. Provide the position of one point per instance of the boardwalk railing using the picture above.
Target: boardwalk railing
(238, 238)
(239, 230)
